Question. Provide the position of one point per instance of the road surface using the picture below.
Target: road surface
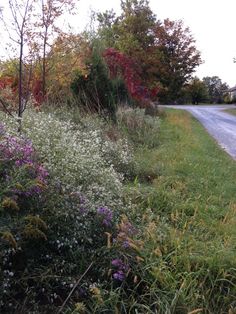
(221, 125)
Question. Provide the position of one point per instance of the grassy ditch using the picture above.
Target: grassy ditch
(185, 198)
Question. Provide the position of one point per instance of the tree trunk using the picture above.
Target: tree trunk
(20, 100)
(44, 64)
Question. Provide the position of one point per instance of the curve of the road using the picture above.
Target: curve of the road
(221, 125)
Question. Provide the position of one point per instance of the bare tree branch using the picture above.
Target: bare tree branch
(5, 107)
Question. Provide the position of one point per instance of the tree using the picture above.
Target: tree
(131, 31)
(121, 65)
(94, 90)
(127, 39)
(164, 53)
(51, 10)
(216, 88)
(135, 28)
(197, 91)
(177, 57)
(8, 86)
(19, 32)
(106, 28)
(135, 37)
(34, 33)
(67, 56)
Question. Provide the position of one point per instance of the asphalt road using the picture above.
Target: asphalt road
(221, 125)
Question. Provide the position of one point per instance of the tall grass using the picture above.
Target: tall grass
(186, 210)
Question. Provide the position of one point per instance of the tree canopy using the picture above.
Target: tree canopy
(164, 51)
(197, 91)
(178, 57)
(216, 88)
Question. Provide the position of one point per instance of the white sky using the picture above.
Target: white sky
(212, 23)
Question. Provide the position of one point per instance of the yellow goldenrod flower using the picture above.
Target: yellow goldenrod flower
(9, 203)
(80, 307)
(8, 236)
(97, 294)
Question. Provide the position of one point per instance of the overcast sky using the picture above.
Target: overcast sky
(212, 22)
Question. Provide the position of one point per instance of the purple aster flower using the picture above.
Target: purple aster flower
(119, 275)
(128, 228)
(106, 214)
(82, 200)
(18, 163)
(21, 152)
(119, 264)
(2, 129)
(126, 244)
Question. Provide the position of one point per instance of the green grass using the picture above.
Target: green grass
(231, 111)
(187, 208)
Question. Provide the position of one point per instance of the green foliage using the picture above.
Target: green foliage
(197, 91)
(43, 255)
(106, 27)
(164, 52)
(227, 99)
(216, 89)
(95, 91)
(134, 27)
(131, 34)
(177, 58)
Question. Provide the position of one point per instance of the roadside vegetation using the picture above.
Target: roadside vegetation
(146, 225)
(108, 204)
(231, 111)
(192, 194)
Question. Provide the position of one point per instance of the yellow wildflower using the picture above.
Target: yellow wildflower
(9, 203)
(8, 236)
(80, 307)
(97, 294)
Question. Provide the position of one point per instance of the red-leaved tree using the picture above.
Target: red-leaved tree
(120, 64)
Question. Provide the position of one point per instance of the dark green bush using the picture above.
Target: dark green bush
(96, 92)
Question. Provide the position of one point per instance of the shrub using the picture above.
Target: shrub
(95, 91)
(53, 235)
(20, 172)
(45, 250)
(22, 181)
(79, 157)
